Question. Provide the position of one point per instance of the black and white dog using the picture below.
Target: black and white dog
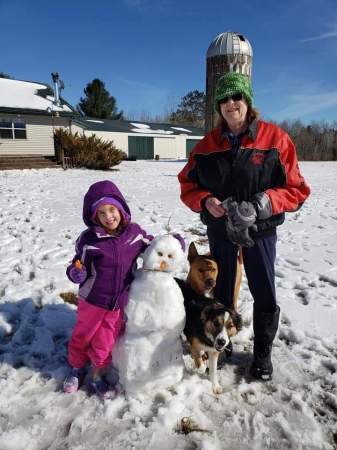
(209, 326)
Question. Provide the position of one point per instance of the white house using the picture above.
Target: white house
(30, 112)
(28, 116)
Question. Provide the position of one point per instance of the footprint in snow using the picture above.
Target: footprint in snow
(292, 262)
(280, 274)
(328, 280)
(303, 295)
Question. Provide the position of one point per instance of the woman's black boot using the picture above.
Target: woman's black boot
(265, 327)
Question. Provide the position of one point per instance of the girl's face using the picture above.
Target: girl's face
(109, 217)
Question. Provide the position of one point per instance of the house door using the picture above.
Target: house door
(141, 147)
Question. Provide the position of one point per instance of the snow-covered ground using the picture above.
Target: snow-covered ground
(40, 216)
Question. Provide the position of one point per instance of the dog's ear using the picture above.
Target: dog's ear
(212, 310)
(219, 308)
(204, 314)
(236, 318)
(192, 252)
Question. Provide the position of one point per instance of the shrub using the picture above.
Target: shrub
(89, 152)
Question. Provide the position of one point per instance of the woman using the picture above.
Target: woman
(242, 177)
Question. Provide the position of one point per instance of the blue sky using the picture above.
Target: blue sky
(150, 53)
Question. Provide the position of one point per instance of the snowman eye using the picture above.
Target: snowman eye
(160, 253)
(170, 256)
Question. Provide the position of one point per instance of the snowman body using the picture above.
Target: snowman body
(149, 354)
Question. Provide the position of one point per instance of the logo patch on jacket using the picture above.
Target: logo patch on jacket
(257, 158)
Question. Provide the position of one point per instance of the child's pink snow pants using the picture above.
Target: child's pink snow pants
(94, 335)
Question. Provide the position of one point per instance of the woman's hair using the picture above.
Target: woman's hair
(252, 114)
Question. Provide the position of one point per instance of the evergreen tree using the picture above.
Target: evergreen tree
(5, 75)
(191, 110)
(98, 102)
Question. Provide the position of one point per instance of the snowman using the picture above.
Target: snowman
(149, 354)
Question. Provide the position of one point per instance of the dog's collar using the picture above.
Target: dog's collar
(197, 300)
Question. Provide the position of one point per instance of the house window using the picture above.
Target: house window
(12, 129)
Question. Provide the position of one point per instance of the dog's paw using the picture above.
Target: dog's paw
(217, 389)
(202, 369)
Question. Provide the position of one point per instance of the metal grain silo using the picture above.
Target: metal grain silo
(228, 52)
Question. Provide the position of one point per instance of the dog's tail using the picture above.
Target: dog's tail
(240, 257)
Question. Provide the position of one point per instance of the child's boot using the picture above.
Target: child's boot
(73, 380)
(97, 384)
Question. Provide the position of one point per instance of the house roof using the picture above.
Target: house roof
(133, 126)
(27, 97)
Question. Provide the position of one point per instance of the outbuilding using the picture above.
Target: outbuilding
(142, 140)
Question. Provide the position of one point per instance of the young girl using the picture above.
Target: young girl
(105, 254)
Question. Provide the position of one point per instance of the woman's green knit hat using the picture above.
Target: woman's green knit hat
(233, 83)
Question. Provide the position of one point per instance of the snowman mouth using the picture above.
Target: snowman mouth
(163, 266)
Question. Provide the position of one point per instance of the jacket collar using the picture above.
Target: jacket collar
(253, 129)
(251, 132)
(101, 233)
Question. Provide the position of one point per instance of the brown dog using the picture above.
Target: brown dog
(204, 271)
(209, 325)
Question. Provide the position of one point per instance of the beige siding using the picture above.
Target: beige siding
(39, 136)
(76, 129)
(120, 140)
(173, 147)
(167, 147)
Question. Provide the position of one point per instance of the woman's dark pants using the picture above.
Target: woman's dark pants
(259, 264)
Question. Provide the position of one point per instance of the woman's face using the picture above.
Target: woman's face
(234, 111)
(109, 217)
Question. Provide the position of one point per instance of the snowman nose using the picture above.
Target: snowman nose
(162, 266)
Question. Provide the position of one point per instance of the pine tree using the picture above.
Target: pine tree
(98, 102)
(191, 110)
(5, 75)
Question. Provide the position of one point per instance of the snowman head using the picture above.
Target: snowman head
(164, 254)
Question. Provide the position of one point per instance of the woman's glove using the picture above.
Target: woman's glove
(262, 204)
(241, 215)
(77, 272)
(241, 238)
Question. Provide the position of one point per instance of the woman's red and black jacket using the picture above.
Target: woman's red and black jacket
(266, 161)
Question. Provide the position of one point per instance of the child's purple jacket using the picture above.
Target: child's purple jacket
(109, 259)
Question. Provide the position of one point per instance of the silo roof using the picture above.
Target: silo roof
(230, 43)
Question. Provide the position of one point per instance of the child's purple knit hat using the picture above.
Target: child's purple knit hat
(109, 201)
